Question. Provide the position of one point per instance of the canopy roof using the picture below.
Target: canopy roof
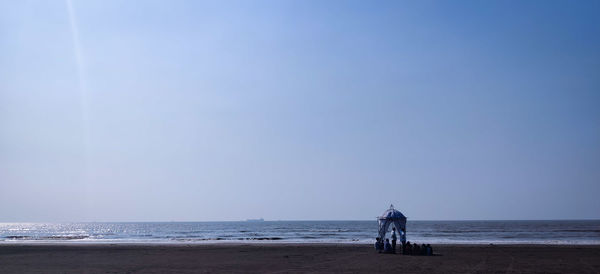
(389, 217)
(392, 214)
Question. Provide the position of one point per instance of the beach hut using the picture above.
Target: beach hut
(391, 216)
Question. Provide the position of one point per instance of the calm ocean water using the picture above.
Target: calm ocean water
(468, 232)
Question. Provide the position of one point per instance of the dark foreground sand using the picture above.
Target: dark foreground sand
(282, 258)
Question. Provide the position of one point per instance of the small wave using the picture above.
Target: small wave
(190, 232)
(74, 237)
(578, 230)
(17, 237)
(264, 238)
(235, 239)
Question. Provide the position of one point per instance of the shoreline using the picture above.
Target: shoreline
(266, 243)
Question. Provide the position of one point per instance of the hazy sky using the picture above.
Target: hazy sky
(226, 110)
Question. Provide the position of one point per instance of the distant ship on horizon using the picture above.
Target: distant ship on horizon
(255, 220)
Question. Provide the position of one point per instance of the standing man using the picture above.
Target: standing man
(403, 240)
(394, 239)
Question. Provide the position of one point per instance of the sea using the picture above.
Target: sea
(584, 232)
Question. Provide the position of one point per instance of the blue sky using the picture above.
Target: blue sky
(227, 110)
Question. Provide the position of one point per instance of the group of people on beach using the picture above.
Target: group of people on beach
(406, 249)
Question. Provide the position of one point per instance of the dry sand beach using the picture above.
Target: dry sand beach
(286, 258)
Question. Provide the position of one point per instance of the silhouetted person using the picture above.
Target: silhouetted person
(378, 245)
(394, 239)
(415, 249)
(429, 250)
(408, 248)
(403, 236)
(423, 249)
(388, 246)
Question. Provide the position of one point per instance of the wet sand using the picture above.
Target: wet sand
(296, 258)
